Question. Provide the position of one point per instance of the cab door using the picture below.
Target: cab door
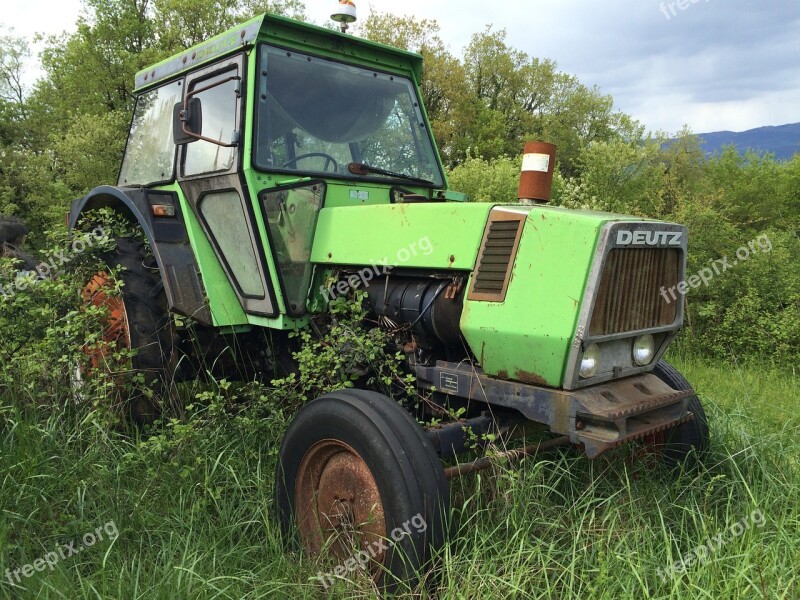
(210, 176)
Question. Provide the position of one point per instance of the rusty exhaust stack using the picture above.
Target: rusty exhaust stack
(536, 179)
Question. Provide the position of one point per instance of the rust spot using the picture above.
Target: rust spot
(529, 377)
(502, 374)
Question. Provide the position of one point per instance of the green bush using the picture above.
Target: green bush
(43, 325)
(487, 180)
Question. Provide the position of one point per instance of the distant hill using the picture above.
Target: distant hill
(783, 141)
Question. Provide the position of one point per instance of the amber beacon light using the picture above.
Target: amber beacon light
(344, 13)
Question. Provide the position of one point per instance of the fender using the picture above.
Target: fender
(168, 239)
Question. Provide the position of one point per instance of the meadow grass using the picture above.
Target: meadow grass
(193, 511)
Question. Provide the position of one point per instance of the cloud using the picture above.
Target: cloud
(715, 64)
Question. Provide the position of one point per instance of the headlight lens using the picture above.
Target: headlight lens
(644, 349)
(590, 361)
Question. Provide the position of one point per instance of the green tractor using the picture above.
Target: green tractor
(280, 166)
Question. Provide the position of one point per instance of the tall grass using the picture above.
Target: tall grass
(194, 511)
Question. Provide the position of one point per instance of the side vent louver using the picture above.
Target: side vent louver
(496, 258)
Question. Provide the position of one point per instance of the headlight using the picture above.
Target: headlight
(644, 349)
(590, 361)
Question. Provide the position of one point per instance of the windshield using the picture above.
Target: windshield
(316, 115)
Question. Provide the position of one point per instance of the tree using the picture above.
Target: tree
(14, 51)
(184, 23)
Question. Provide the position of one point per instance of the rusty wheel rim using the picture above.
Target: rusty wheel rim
(116, 330)
(338, 505)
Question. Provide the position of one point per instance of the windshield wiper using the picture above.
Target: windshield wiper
(363, 169)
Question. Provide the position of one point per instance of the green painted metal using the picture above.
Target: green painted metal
(528, 336)
(228, 42)
(288, 32)
(438, 235)
(224, 305)
(323, 42)
(305, 37)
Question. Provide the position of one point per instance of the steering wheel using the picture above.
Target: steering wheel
(329, 160)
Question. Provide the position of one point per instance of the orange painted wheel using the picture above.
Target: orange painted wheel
(138, 343)
(116, 331)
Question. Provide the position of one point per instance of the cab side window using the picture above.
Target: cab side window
(219, 97)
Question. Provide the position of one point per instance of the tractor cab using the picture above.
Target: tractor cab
(257, 130)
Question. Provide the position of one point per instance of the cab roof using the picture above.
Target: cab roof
(289, 33)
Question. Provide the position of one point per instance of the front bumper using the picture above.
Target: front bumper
(598, 417)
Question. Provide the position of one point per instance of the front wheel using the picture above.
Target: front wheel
(359, 479)
(688, 442)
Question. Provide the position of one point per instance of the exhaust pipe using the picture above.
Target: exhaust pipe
(536, 179)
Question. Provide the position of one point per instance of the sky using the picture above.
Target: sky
(710, 64)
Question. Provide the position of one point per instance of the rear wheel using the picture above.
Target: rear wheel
(138, 320)
(359, 479)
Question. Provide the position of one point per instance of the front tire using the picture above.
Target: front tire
(689, 441)
(358, 477)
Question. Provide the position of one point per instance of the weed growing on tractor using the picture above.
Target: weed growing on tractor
(55, 262)
(345, 354)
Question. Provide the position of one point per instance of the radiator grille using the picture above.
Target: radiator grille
(629, 297)
(500, 242)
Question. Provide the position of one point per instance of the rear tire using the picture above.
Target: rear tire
(144, 326)
(360, 453)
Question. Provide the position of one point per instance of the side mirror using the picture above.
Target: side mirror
(187, 123)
